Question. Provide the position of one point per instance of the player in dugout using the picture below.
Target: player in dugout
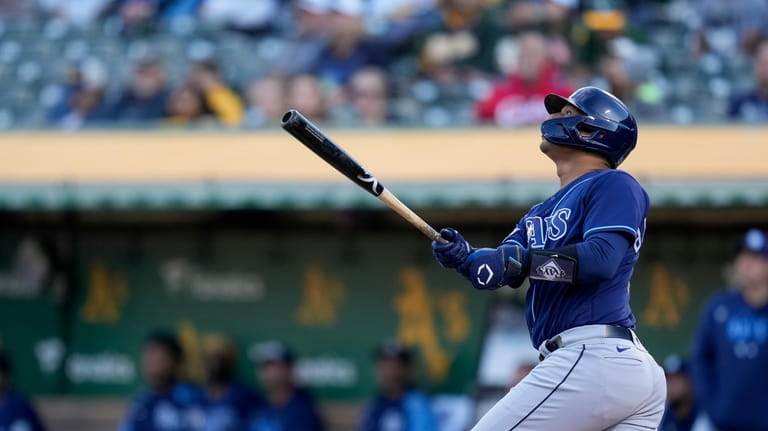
(168, 404)
(578, 248)
(228, 402)
(16, 413)
(729, 360)
(398, 405)
(288, 407)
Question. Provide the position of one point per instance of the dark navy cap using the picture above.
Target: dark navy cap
(757, 241)
(393, 349)
(674, 364)
(274, 351)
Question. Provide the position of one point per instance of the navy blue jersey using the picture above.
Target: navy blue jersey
(601, 201)
(298, 414)
(232, 410)
(180, 409)
(17, 414)
(411, 412)
(728, 363)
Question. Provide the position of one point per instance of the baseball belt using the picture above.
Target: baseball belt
(582, 333)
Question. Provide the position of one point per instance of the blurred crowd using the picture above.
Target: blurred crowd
(368, 63)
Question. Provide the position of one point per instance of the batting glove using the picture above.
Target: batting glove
(455, 252)
(491, 268)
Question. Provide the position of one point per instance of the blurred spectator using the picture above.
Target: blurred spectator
(348, 50)
(16, 8)
(467, 38)
(730, 350)
(602, 23)
(173, 9)
(83, 93)
(144, 100)
(168, 404)
(288, 407)
(393, 10)
(306, 96)
(519, 100)
(242, 15)
(16, 414)
(682, 411)
(553, 16)
(81, 12)
(146, 13)
(137, 13)
(265, 102)
(753, 106)
(644, 98)
(304, 40)
(185, 106)
(221, 100)
(395, 24)
(728, 26)
(617, 78)
(398, 406)
(229, 403)
(368, 98)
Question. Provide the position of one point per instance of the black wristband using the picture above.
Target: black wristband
(557, 264)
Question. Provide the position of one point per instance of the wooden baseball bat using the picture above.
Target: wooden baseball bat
(317, 141)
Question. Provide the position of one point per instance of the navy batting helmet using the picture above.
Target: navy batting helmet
(607, 127)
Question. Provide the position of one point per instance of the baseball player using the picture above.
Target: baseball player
(578, 249)
(730, 350)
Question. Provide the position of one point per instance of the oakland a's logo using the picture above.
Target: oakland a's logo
(550, 270)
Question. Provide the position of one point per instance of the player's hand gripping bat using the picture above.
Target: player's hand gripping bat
(314, 139)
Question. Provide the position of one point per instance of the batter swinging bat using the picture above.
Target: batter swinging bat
(309, 135)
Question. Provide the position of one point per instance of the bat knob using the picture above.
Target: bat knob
(289, 117)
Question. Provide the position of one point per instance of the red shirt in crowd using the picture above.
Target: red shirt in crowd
(515, 102)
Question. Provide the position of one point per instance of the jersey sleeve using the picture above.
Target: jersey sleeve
(616, 203)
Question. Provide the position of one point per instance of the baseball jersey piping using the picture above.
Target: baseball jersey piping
(581, 354)
(612, 227)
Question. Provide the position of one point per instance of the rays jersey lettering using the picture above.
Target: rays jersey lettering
(600, 201)
(538, 230)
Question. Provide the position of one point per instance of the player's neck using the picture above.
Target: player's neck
(280, 395)
(573, 168)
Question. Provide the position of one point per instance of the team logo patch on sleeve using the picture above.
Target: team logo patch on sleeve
(552, 268)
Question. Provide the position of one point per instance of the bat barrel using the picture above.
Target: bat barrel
(314, 139)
